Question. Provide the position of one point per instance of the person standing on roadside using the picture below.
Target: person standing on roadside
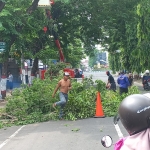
(111, 85)
(64, 85)
(10, 81)
(130, 77)
(123, 83)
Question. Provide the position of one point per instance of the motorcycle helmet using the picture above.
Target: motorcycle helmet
(134, 113)
(147, 71)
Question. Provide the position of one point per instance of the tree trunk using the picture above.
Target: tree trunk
(2, 5)
(4, 68)
(33, 6)
(35, 67)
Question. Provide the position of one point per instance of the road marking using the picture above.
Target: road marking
(118, 131)
(13, 135)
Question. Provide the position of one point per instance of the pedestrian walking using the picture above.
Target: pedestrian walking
(64, 85)
(123, 83)
(111, 84)
(10, 81)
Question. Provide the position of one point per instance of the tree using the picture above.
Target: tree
(120, 27)
(143, 34)
(27, 36)
(13, 20)
(80, 20)
(120, 24)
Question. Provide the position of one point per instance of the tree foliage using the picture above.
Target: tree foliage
(115, 24)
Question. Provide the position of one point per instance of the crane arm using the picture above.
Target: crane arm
(57, 42)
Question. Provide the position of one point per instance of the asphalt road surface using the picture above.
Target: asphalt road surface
(83, 134)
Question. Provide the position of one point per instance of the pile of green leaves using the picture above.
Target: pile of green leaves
(34, 103)
(111, 100)
(81, 103)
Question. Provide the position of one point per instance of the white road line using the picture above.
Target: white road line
(13, 135)
(118, 131)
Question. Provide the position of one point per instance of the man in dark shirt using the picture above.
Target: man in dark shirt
(111, 85)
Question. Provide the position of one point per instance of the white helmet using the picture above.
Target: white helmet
(147, 71)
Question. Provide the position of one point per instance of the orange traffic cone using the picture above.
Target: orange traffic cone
(99, 109)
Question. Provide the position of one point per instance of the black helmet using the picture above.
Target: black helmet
(134, 112)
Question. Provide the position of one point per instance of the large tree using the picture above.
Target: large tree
(14, 16)
(119, 24)
(143, 33)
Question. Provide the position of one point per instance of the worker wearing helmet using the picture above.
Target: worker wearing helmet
(134, 112)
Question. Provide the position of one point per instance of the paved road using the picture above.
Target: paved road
(62, 135)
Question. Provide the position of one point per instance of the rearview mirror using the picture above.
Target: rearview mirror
(107, 141)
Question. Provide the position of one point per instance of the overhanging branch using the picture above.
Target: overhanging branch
(33, 6)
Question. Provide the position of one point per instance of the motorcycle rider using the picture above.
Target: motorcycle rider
(134, 113)
(146, 76)
(145, 79)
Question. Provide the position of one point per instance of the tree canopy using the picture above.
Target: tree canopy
(120, 24)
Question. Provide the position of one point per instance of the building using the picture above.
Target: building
(102, 56)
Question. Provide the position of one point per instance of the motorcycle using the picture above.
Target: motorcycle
(136, 132)
(146, 84)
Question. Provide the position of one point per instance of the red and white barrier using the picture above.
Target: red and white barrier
(3, 86)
